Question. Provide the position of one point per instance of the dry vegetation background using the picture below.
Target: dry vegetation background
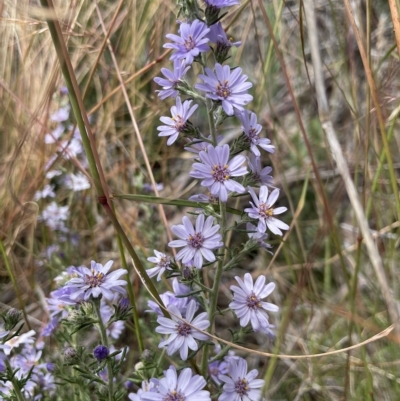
(327, 288)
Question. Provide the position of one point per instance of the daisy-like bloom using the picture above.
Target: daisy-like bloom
(146, 386)
(185, 387)
(162, 261)
(248, 302)
(77, 182)
(229, 87)
(170, 298)
(240, 385)
(262, 210)
(47, 191)
(172, 79)
(71, 148)
(191, 43)
(54, 216)
(60, 115)
(216, 171)
(178, 123)
(218, 36)
(197, 242)
(53, 173)
(217, 368)
(16, 341)
(97, 281)
(260, 175)
(258, 236)
(115, 329)
(252, 131)
(181, 335)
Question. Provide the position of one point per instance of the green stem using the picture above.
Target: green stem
(104, 341)
(131, 295)
(14, 282)
(14, 382)
(220, 267)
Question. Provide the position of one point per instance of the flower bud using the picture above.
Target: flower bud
(101, 352)
(13, 316)
(71, 356)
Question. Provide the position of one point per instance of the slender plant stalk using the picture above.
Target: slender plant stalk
(323, 111)
(104, 341)
(132, 299)
(14, 282)
(221, 261)
(89, 146)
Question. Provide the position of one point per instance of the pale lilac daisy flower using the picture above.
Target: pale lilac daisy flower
(185, 387)
(197, 242)
(71, 148)
(162, 261)
(258, 236)
(248, 302)
(53, 173)
(77, 182)
(57, 306)
(47, 191)
(260, 175)
(229, 87)
(178, 123)
(170, 298)
(191, 43)
(97, 281)
(217, 368)
(252, 131)
(263, 211)
(172, 80)
(115, 329)
(240, 385)
(218, 36)
(146, 386)
(216, 171)
(60, 115)
(181, 335)
(54, 216)
(28, 358)
(16, 341)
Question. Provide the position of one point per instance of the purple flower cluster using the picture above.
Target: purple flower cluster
(224, 173)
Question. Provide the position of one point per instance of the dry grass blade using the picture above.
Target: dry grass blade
(341, 163)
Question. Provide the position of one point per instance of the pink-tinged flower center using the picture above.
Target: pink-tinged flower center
(223, 89)
(265, 210)
(95, 279)
(252, 301)
(196, 240)
(220, 173)
(242, 386)
(180, 123)
(189, 43)
(174, 396)
(184, 329)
